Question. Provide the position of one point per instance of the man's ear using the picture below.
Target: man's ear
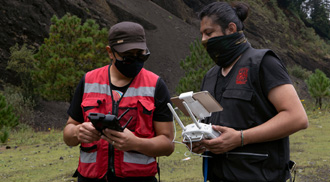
(110, 53)
(232, 28)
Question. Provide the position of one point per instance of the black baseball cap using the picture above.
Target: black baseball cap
(126, 35)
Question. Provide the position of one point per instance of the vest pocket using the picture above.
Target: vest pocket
(86, 157)
(135, 164)
(239, 109)
(238, 94)
(144, 123)
(96, 105)
(88, 153)
(241, 166)
(93, 160)
(91, 103)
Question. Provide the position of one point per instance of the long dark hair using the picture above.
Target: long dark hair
(222, 13)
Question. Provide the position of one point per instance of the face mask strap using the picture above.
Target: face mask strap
(114, 53)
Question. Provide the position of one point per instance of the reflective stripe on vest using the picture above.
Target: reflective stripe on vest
(97, 88)
(137, 158)
(141, 91)
(131, 92)
(86, 157)
(130, 157)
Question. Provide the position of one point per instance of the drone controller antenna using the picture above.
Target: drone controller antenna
(191, 114)
(129, 120)
(123, 114)
(176, 116)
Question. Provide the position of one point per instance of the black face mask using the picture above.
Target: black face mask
(224, 50)
(130, 66)
(129, 69)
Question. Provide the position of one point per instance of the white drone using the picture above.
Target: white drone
(200, 105)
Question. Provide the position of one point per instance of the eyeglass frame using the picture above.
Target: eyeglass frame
(144, 57)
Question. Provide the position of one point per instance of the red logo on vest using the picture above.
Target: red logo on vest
(242, 76)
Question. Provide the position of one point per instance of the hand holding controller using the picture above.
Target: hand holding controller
(102, 121)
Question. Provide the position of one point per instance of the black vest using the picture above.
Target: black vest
(246, 106)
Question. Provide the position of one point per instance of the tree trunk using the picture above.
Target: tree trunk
(320, 102)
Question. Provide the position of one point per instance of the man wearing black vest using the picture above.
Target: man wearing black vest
(261, 106)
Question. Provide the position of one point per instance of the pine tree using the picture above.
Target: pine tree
(71, 50)
(315, 13)
(195, 67)
(294, 5)
(320, 14)
(318, 86)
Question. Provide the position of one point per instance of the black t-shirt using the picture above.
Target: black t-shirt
(272, 73)
(162, 97)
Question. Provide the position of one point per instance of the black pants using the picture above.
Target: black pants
(112, 178)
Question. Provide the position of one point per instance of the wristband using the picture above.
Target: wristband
(242, 139)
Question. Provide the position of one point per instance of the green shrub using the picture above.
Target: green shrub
(21, 61)
(22, 106)
(4, 134)
(318, 86)
(8, 119)
(299, 72)
(195, 67)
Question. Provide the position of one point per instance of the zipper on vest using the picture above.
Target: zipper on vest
(246, 153)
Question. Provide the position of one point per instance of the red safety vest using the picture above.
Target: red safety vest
(139, 97)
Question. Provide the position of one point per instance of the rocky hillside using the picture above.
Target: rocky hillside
(170, 27)
(169, 32)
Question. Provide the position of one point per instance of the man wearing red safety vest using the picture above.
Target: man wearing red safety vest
(122, 88)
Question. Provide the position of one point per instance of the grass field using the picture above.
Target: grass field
(42, 156)
(310, 149)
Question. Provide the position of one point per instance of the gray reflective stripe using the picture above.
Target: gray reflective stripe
(141, 91)
(86, 157)
(131, 91)
(137, 158)
(97, 88)
(246, 153)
